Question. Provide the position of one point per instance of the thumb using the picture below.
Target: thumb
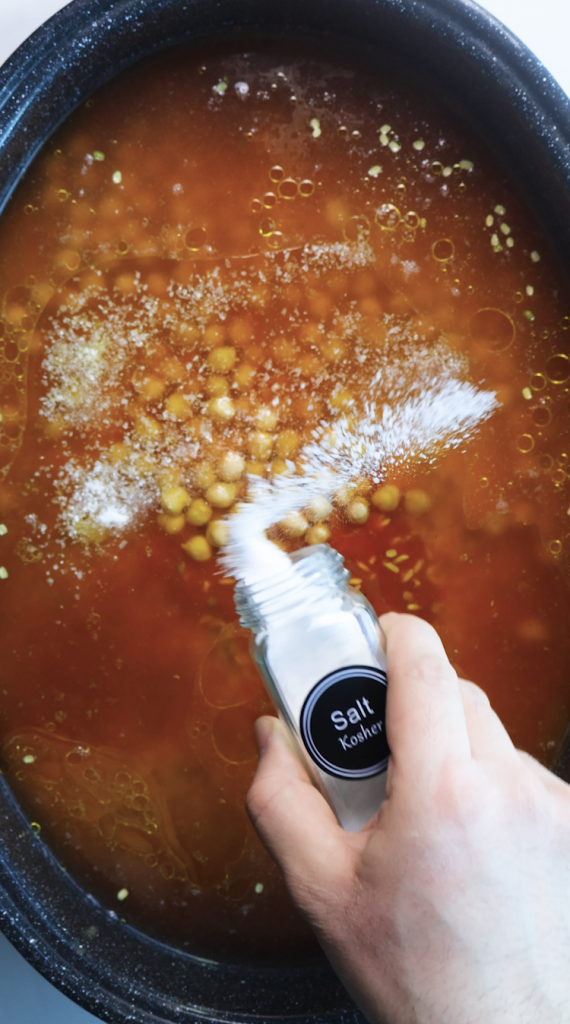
(292, 818)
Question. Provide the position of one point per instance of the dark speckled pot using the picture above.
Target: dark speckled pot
(510, 99)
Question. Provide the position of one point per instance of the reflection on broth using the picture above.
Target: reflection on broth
(218, 261)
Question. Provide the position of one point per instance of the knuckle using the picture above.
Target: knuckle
(473, 694)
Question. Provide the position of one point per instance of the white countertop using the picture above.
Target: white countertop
(544, 25)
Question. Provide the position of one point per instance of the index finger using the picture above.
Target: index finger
(425, 720)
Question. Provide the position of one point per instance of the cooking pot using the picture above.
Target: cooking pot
(501, 90)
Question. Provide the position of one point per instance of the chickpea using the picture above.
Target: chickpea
(148, 428)
(342, 399)
(215, 334)
(310, 364)
(417, 502)
(198, 548)
(320, 305)
(177, 406)
(240, 331)
(307, 407)
(218, 533)
(255, 468)
(149, 386)
(386, 498)
(55, 429)
(221, 495)
(231, 466)
(294, 524)
(286, 443)
(170, 524)
(284, 351)
(279, 467)
(187, 335)
(175, 500)
(244, 375)
(311, 333)
(222, 359)
(333, 348)
(126, 284)
(369, 306)
(317, 534)
(119, 452)
(217, 386)
(172, 369)
(221, 409)
(203, 475)
(199, 512)
(266, 418)
(358, 510)
(259, 445)
(344, 495)
(319, 508)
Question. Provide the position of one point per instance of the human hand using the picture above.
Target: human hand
(452, 906)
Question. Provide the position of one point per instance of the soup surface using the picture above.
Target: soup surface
(217, 259)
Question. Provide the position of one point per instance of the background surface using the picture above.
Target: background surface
(544, 26)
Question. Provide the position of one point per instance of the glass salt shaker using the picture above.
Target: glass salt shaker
(317, 643)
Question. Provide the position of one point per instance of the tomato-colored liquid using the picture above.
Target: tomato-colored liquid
(227, 254)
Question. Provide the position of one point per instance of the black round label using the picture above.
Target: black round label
(343, 723)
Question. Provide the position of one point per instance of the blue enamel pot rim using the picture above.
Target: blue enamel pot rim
(115, 972)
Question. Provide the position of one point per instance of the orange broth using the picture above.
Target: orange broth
(218, 254)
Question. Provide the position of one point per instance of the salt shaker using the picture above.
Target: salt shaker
(317, 643)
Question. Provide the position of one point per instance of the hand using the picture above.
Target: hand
(452, 906)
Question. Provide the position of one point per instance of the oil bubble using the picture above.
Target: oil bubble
(275, 240)
(558, 368)
(492, 329)
(356, 228)
(525, 443)
(546, 461)
(269, 200)
(256, 206)
(276, 173)
(267, 227)
(288, 188)
(306, 188)
(518, 296)
(541, 416)
(437, 167)
(195, 239)
(443, 250)
(565, 323)
(558, 477)
(388, 217)
(484, 481)
(412, 219)
(555, 547)
(35, 827)
(538, 381)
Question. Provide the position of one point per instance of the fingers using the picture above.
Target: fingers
(292, 817)
(425, 719)
(488, 738)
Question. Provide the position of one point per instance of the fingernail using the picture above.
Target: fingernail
(263, 731)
